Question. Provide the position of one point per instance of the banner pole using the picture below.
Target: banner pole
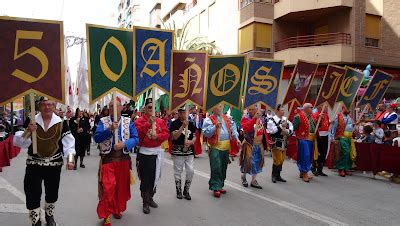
(153, 96)
(115, 115)
(33, 121)
(320, 117)
(187, 126)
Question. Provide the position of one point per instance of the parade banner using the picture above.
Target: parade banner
(300, 82)
(110, 58)
(188, 78)
(262, 82)
(224, 80)
(153, 59)
(330, 85)
(349, 86)
(32, 58)
(376, 89)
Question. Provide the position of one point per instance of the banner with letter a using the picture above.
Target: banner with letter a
(262, 82)
(188, 78)
(330, 86)
(300, 83)
(32, 58)
(153, 59)
(224, 80)
(376, 89)
(350, 84)
(110, 58)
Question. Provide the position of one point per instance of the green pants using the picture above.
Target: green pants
(344, 162)
(218, 164)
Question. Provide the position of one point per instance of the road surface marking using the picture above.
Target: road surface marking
(284, 204)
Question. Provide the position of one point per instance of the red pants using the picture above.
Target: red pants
(116, 188)
(197, 144)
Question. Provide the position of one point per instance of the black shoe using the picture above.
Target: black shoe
(153, 204)
(50, 221)
(39, 223)
(75, 167)
(83, 166)
(178, 186)
(280, 179)
(146, 208)
(314, 171)
(255, 184)
(322, 174)
(244, 182)
(186, 190)
(273, 178)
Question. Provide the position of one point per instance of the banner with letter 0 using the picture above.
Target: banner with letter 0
(262, 82)
(188, 78)
(224, 80)
(153, 59)
(110, 58)
(32, 58)
(376, 89)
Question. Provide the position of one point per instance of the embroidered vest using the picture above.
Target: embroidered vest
(48, 142)
(304, 128)
(340, 127)
(106, 145)
(215, 138)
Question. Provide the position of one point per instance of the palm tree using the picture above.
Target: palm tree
(182, 42)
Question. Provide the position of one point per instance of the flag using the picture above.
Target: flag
(262, 82)
(300, 83)
(32, 53)
(349, 86)
(224, 80)
(152, 56)
(110, 61)
(83, 86)
(188, 78)
(376, 89)
(330, 85)
(69, 91)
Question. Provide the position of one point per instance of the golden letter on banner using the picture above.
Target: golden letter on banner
(378, 86)
(33, 51)
(103, 63)
(188, 78)
(156, 44)
(221, 79)
(346, 85)
(263, 83)
(336, 76)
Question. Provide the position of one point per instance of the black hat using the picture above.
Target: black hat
(148, 101)
(43, 99)
(181, 109)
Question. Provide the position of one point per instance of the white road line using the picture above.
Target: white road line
(6, 185)
(12, 208)
(284, 204)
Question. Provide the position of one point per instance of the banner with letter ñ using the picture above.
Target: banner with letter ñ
(32, 58)
(330, 86)
(348, 89)
(263, 78)
(300, 82)
(188, 78)
(153, 59)
(110, 58)
(224, 80)
(376, 89)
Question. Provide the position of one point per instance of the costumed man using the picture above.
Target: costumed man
(279, 129)
(304, 126)
(183, 138)
(252, 154)
(322, 141)
(342, 131)
(220, 131)
(115, 164)
(54, 140)
(390, 119)
(150, 154)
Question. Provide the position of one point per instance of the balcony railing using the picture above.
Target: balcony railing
(313, 40)
(245, 3)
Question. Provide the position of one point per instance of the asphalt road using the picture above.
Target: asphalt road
(355, 200)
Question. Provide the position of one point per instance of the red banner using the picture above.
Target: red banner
(330, 85)
(187, 80)
(31, 56)
(300, 82)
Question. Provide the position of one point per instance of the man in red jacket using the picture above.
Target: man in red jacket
(150, 154)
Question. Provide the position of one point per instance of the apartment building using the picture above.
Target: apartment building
(342, 32)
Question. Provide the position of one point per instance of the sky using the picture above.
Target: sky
(74, 13)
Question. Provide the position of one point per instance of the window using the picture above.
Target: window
(372, 30)
(255, 36)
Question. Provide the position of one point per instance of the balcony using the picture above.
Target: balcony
(256, 11)
(283, 8)
(170, 7)
(324, 48)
